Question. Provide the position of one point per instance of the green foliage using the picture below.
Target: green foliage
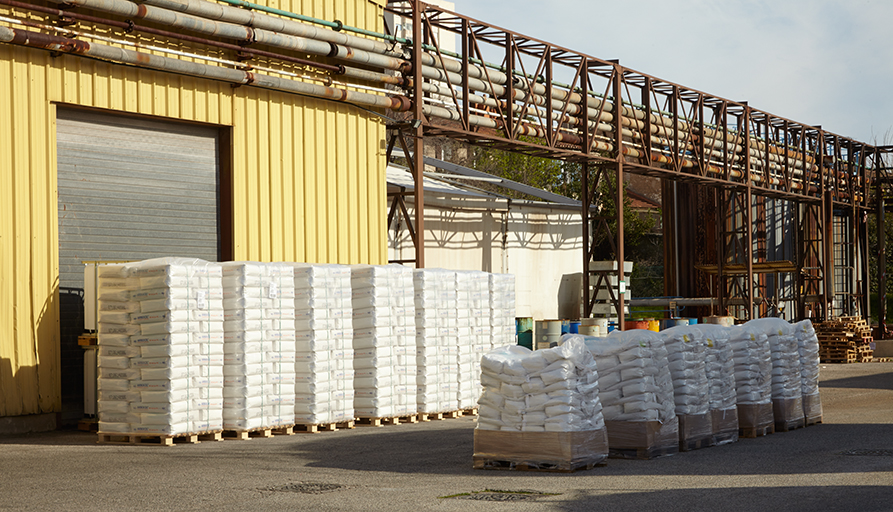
(873, 262)
(552, 175)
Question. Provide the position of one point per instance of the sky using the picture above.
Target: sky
(817, 62)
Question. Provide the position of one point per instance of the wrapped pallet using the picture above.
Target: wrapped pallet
(686, 353)
(753, 380)
(502, 310)
(466, 340)
(787, 401)
(636, 390)
(436, 350)
(259, 361)
(723, 397)
(324, 392)
(384, 379)
(540, 410)
(808, 348)
(161, 348)
(481, 336)
(405, 364)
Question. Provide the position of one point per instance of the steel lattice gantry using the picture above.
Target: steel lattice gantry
(614, 120)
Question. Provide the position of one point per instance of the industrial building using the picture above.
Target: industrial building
(180, 164)
(258, 131)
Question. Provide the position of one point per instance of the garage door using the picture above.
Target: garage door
(129, 189)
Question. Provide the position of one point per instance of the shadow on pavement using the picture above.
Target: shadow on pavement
(825, 498)
(817, 449)
(398, 449)
(877, 381)
(53, 438)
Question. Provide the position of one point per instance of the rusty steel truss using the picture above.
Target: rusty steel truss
(614, 120)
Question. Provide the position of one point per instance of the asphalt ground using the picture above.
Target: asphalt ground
(845, 463)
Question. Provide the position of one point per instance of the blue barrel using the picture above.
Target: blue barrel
(666, 323)
(574, 328)
(565, 326)
(692, 321)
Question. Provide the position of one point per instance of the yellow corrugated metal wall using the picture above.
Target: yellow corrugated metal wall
(308, 175)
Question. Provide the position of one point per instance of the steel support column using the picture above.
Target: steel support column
(881, 257)
(587, 254)
(418, 154)
(827, 229)
(749, 223)
(618, 192)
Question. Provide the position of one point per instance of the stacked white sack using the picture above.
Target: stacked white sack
(502, 310)
(324, 344)
(466, 341)
(753, 365)
(634, 375)
(115, 348)
(686, 351)
(808, 349)
(552, 390)
(403, 291)
(482, 337)
(436, 350)
(161, 347)
(720, 367)
(374, 325)
(808, 345)
(785, 355)
(259, 348)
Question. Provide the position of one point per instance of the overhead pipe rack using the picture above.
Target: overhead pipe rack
(609, 118)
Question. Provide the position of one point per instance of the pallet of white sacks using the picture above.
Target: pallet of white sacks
(264, 432)
(158, 439)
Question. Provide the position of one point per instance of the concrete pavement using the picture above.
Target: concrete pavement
(412, 467)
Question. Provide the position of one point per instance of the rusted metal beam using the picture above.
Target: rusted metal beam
(418, 153)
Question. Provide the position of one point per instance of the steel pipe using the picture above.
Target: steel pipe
(160, 63)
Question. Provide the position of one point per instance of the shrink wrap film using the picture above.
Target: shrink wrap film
(642, 439)
(562, 451)
(725, 425)
(755, 416)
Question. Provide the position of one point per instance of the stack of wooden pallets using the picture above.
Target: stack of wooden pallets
(844, 340)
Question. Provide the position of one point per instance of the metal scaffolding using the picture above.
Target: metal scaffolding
(744, 191)
(614, 120)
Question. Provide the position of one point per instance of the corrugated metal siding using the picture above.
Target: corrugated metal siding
(308, 175)
(133, 188)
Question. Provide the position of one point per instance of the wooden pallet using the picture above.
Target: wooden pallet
(87, 425)
(753, 433)
(264, 432)
(316, 428)
(158, 440)
(725, 438)
(376, 422)
(839, 360)
(787, 426)
(509, 465)
(430, 416)
(448, 415)
(844, 340)
(687, 445)
(813, 421)
(641, 453)
(87, 340)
